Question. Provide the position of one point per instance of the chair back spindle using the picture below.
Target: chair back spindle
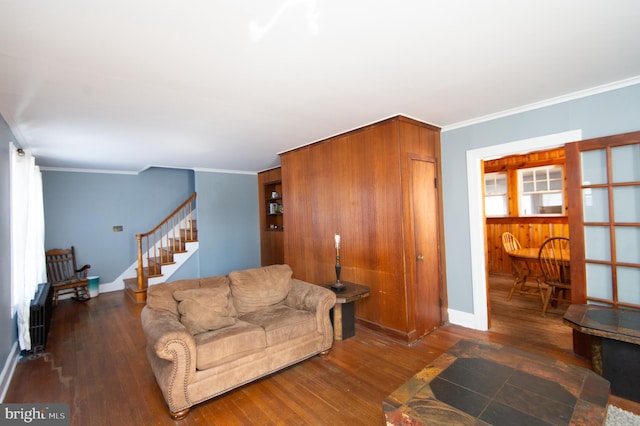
(510, 243)
(554, 261)
(554, 258)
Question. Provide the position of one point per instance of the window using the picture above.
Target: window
(541, 191)
(495, 194)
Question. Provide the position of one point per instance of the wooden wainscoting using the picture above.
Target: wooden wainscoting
(530, 231)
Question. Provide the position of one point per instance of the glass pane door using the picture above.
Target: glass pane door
(605, 213)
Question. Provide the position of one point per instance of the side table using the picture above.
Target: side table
(343, 314)
(615, 344)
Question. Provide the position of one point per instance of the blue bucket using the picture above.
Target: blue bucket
(94, 286)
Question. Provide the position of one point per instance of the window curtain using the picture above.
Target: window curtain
(28, 267)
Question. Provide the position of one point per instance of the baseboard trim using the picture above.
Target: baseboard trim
(8, 370)
(465, 319)
(391, 333)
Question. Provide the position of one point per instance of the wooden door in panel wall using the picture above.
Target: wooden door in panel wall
(425, 224)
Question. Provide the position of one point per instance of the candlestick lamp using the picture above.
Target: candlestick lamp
(338, 286)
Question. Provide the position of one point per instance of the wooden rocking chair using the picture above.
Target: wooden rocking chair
(64, 276)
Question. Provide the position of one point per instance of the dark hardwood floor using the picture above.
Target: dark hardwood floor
(95, 361)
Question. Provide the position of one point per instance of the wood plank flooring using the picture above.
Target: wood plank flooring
(95, 361)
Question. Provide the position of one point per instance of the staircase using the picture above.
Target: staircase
(159, 248)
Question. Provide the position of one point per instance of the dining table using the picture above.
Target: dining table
(529, 253)
(528, 257)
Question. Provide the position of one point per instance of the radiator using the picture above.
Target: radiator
(40, 317)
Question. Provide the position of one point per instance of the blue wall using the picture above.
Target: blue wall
(82, 208)
(228, 221)
(609, 113)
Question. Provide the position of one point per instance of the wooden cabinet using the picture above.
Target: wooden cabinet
(270, 202)
(378, 188)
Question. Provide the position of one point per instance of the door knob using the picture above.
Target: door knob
(420, 257)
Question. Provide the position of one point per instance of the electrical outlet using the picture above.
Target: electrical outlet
(117, 228)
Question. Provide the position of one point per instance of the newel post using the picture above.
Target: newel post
(140, 268)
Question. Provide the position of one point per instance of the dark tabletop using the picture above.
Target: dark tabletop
(603, 321)
(351, 292)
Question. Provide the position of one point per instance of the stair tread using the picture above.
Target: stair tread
(149, 273)
(134, 286)
(175, 250)
(166, 260)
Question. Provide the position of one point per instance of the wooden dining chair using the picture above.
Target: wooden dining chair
(521, 270)
(64, 275)
(554, 264)
(510, 244)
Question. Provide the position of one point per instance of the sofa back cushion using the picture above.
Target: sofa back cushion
(160, 296)
(260, 288)
(205, 308)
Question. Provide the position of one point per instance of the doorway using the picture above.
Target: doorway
(476, 215)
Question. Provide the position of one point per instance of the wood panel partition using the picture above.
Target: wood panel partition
(530, 231)
(359, 185)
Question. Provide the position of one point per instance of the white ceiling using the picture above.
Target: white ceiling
(226, 85)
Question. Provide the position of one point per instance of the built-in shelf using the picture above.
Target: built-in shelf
(273, 206)
(271, 209)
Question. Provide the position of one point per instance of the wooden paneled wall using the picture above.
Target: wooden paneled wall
(352, 184)
(521, 161)
(530, 231)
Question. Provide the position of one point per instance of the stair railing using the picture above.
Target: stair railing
(169, 236)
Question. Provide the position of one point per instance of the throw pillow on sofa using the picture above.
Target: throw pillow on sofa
(160, 296)
(260, 288)
(206, 308)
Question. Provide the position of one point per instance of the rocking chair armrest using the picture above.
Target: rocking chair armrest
(83, 270)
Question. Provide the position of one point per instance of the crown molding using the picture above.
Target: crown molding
(548, 102)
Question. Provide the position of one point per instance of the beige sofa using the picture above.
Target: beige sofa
(206, 336)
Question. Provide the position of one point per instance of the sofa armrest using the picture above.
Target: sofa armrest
(168, 339)
(317, 299)
(161, 328)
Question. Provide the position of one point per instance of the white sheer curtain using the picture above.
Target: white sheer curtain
(27, 237)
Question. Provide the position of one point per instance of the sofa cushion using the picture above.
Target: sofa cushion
(282, 323)
(217, 281)
(259, 288)
(227, 344)
(160, 296)
(206, 308)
